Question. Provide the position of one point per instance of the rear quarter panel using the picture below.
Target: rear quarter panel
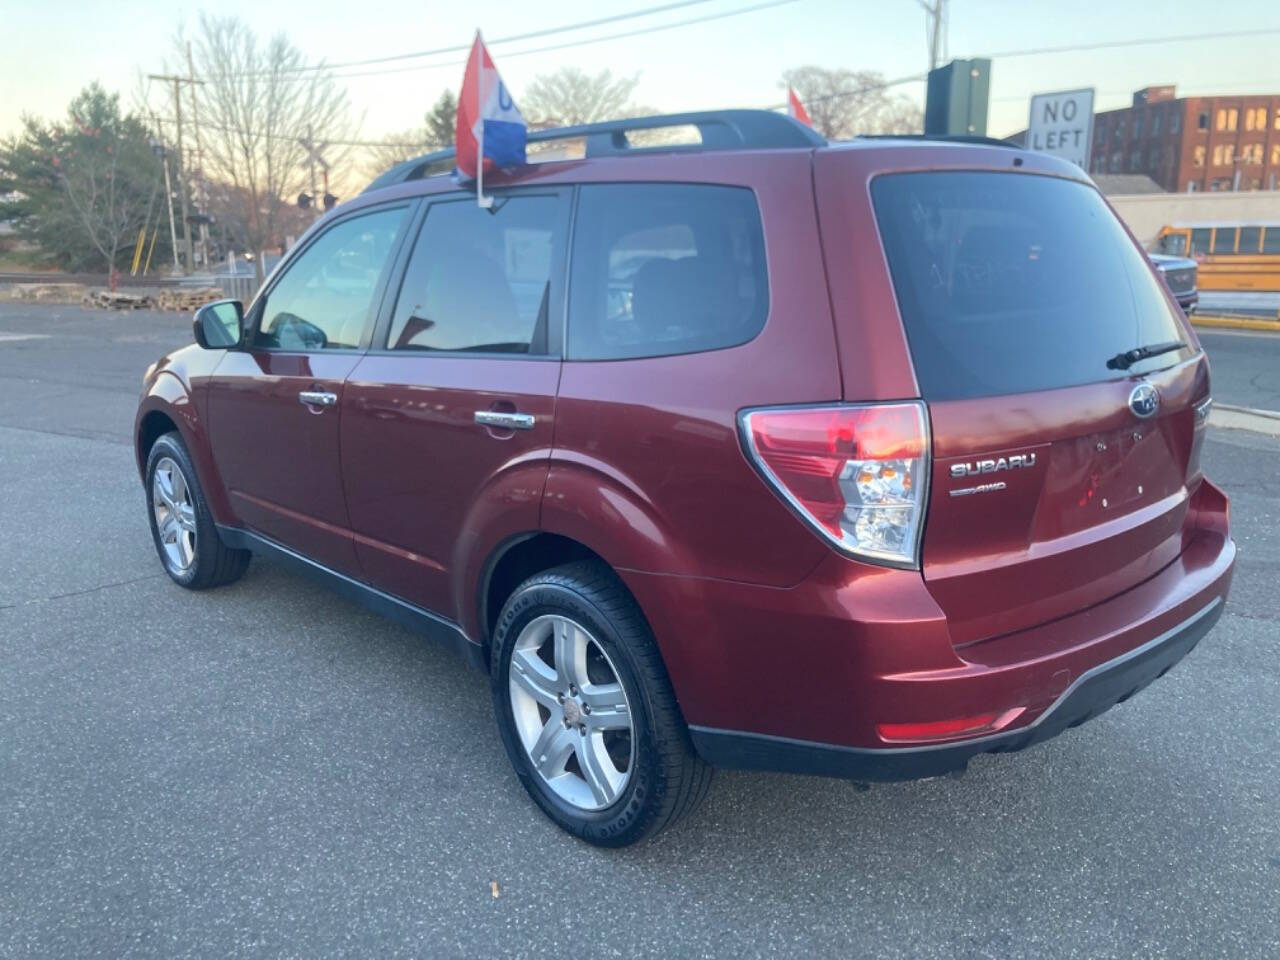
(647, 469)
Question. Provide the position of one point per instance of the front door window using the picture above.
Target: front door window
(324, 299)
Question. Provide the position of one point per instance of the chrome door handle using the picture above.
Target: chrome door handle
(505, 421)
(317, 398)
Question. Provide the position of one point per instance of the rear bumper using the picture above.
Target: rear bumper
(1092, 693)
(823, 677)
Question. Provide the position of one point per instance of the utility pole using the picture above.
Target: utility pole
(315, 154)
(937, 30)
(159, 150)
(177, 82)
(200, 181)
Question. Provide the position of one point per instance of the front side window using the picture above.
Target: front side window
(481, 281)
(661, 269)
(1174, 244)
(324, 299)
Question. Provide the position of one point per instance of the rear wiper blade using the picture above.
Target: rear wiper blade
(1125, 360)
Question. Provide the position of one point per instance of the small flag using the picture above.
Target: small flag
(491, 132)
(795, 108)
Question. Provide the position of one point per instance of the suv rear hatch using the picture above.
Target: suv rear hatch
(1057, 481)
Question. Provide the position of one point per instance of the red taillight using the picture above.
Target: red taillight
(969, 726)
(856, 473)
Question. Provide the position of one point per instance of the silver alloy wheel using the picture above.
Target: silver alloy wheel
(175, 514)
(571, 712)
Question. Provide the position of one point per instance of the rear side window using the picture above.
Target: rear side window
(480, 281)
(1009, 283)
(1249, 237)
(660, 269)
(1224, 240)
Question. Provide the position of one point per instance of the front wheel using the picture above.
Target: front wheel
(182, 527)
(586, 710)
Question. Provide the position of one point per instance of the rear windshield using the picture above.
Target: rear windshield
(1009, 283)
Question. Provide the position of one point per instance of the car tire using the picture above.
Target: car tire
(586, 606)
(182, 528)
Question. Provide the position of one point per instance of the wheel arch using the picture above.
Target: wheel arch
(169, 406)
(515, 560)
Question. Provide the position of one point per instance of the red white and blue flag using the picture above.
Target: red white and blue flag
(491, 132)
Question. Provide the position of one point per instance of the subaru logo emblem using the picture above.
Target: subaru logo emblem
(1144, 401)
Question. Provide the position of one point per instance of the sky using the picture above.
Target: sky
(56, 47)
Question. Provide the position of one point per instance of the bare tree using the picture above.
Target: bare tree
(436, 134)
(844, 103)
(259, 103)
(569, 96)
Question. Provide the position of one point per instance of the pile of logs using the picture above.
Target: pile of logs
(117, 300)
(60, 292)
(188, 301)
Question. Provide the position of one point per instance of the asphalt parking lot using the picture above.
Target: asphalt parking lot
(267, 769)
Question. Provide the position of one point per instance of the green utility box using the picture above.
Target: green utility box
(956, 102)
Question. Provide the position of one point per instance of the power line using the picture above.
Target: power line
(1145, 41)
(457, 48)
(870, 88)
(577, 43)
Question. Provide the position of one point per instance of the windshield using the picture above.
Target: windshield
(1009, 283)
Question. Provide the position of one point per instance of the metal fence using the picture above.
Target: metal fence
(238, 288)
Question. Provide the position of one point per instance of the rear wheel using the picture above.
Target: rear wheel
(586, 710)
(182, 528)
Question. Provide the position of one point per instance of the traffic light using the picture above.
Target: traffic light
(330, 201)
(304, 201)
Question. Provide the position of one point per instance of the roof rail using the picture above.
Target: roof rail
(942, 137)
(719, 130)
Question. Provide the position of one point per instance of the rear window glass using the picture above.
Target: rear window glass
(1009, 283)
(660, 269)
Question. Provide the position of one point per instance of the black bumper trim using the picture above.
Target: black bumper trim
(1093, 692)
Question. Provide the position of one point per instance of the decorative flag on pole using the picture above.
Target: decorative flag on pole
(795, 108)
(491, 132)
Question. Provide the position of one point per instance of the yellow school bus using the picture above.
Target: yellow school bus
(1233, 255)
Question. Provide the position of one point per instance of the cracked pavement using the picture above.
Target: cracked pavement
(266, 769)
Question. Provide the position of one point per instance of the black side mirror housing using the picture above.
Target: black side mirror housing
(219, 325)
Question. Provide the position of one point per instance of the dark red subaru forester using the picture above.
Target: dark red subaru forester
(855, 459)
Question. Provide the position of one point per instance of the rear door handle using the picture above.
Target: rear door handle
(317, 398)
(505, 421)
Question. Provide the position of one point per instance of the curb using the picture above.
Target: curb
(1245, 418)
(1228, 322)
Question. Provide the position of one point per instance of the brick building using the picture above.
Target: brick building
(1192, 143)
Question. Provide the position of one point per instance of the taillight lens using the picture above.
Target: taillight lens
(857, 474)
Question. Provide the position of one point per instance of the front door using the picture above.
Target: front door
(275, 405)
(449, 418)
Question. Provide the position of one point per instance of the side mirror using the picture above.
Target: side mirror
(219, 325)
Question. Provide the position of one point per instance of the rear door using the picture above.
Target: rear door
(1062, 462)
(451, 413)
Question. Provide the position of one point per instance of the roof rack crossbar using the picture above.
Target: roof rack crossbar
(718, 130)
(944, 137)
